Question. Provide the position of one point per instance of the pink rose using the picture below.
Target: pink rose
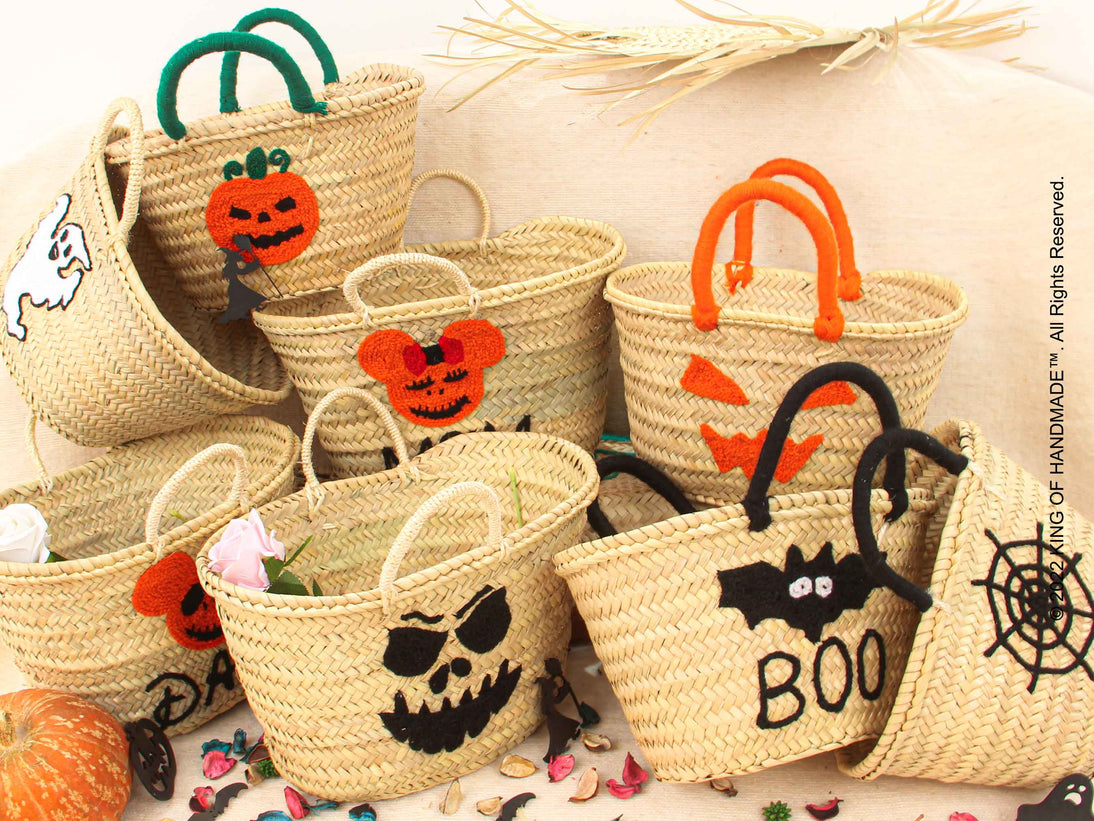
(238, 556)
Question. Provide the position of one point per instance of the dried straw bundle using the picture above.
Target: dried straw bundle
(684, 59)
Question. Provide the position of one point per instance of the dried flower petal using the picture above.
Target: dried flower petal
(215, 744)
(596, 742)
(724, 785)
(962, 816)
(239, 742)
(587, 786)
(622, 790)
(516, 766)
(489, 806)
(362, 812)
(298, 807)
(633, 774)
(202, 799)
(452, 798)
(214, 764)
(559, 767)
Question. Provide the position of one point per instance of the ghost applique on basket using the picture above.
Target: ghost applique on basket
(418, 664)
(1000, 678)
(702, 380)
(314, 183)
(504, 333)
(122, 620)
(97, 339)
(742, 637)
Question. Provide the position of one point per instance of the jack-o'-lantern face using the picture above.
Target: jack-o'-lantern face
(425, 653)
(170, 588)
(439, 384)
(703, 378)
(277, 212)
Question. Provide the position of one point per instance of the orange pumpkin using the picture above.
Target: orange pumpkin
(62, 758)
(277, 212)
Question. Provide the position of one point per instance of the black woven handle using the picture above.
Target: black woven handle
(650, 476)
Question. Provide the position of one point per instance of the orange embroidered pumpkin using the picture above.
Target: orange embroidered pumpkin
(277, 212)
(61, 758)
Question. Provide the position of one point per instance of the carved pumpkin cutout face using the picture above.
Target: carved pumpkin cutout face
(439, 384)
(424, 653)
(277, 212)
(703, 378)
(170, 588)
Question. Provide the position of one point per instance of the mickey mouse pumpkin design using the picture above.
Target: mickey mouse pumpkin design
(170, 588)
(277, 212)
(436, 385)
(413, 652)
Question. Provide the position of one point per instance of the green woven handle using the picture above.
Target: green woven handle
(229, 69)
(300, 96)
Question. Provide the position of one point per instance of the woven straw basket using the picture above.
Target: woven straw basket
(999, 686)
(330, 678)
(723, 662)
(73, 626)
(353, 149)
(702, 381)
(539, 285)
(124, 358)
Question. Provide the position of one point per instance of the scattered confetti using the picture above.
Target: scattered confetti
(516, 766)
(452, 798)
(587, 786)
(830, 809)
(559, 767)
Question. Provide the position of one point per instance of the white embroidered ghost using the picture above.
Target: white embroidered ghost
(52, 250)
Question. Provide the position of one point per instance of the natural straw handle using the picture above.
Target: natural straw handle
(739, 271)
(312, 485)
(120, 227)
(45, 481)
(403, 542)
(300, 96)
(237, 493)
(828, 324)
(646, 473)
(374, 267)
(229, 68)
(460, 177)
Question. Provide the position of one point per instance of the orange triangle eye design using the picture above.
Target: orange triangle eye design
(703, 378)
(834, 393)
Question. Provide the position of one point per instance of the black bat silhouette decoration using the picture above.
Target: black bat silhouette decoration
(805, 594)
(223, 796)
(510, 807)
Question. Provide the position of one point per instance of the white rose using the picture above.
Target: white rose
(24, 535)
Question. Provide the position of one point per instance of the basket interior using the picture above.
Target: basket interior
(237, 349)
(888, 296)
(100, 507)
(534, 251)
(359, 518)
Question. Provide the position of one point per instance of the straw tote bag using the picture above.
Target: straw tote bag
(419, 662)
(316, 185)
(742, 637)
(999, 685)
(508, 333)
(632, 493)
(702, 380)
(118, 621)
(123, 357)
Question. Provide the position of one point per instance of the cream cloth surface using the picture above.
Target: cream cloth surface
(944, 165)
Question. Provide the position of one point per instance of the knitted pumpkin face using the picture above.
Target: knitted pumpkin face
(277, 212)
(170, 588)
(424, 652)
(439, 384)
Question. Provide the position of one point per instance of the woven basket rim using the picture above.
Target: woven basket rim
(498, 295)
(280, 435)
(617, 293)
(478, 559)
(406, 84)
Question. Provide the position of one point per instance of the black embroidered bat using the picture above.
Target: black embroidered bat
(806, 594)
(224, 795)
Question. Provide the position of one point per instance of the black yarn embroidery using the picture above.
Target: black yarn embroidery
(1038, 601)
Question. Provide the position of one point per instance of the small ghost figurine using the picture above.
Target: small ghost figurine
(1070, 800)
(241, 299)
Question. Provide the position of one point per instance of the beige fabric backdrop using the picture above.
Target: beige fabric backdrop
(944, 165)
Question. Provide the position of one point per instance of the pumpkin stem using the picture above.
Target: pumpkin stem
(7, 730)
(256, 164)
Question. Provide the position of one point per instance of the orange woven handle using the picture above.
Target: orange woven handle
(828, 324)
(740, 270)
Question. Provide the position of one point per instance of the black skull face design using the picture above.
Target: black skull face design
(414, 652)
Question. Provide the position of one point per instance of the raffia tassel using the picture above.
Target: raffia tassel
(685, 58)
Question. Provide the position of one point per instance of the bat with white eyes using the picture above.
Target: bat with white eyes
(805, 594)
